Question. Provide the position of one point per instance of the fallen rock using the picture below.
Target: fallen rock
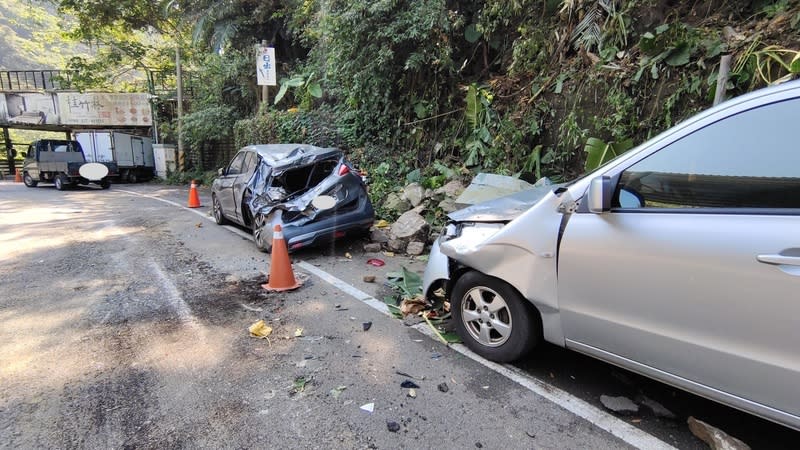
(415, 248)
(714, 437)
(620, 405)
(448, 205)
(392, 426)
(450, 190)
(372, 247)
(369, 278)
(658, 409)
(396, 245)
(443, 387)
(410, 226)
(488, 186)
(378, 236)
(395, 203)
(414, 193)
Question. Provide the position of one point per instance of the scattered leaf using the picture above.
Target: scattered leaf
(337, 391)
(260, 330)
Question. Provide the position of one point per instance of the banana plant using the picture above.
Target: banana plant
(600, 152)
(306, 85)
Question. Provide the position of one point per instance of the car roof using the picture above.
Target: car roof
(282, 154)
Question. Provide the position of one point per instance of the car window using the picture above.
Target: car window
(749, 160)
(249, 164)
(235, 167)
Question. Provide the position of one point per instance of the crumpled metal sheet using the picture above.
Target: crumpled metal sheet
(267, 199)
(502, 209)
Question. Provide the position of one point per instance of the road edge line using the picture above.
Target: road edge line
(606, 422)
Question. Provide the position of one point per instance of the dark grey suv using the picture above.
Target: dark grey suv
(315, 193)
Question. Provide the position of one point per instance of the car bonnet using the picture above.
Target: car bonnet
(503, 209)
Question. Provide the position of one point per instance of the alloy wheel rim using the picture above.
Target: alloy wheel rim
(258, 229)
(217, 209)
(486, 316)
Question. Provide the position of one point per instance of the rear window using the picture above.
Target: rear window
(298, 180)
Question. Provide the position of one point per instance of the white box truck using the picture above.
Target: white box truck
(133, 154)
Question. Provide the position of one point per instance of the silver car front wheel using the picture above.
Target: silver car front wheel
(492, 319)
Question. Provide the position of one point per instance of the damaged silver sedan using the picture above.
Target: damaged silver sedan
(679, 260)
(314, 193)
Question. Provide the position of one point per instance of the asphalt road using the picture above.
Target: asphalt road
(123, 323)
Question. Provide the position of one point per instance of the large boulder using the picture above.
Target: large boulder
(415, 248)
(409, 227)
(396, 204)
(489, 186)
(452, 190)
(414, 193)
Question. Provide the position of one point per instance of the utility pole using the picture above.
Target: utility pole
(179, 88)
(9, 152)
(265, 88)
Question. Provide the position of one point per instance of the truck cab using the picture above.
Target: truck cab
(59, 162)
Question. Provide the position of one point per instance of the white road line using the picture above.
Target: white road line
(203, 215)
(619, 428)
(616, 427)
(346, 288)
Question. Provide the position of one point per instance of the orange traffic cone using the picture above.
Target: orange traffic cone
(18, 176)
(281, 276)
(194, 199)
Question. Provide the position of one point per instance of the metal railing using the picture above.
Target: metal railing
(34, 80)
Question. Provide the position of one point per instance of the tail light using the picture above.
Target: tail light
(343, 170)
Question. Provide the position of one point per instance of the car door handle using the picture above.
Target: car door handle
(779, 260)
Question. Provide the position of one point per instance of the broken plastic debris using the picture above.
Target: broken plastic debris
(369, 407)
(389, 254)
(348, 255)
(381, 224)
(376, 262)
(260, 330)
(412, 393)
(366, 325)
(298, 332)
(408, 384)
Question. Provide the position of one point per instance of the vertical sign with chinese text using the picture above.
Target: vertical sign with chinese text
(265, 66)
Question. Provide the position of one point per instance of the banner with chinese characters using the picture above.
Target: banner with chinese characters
(265, 67)
(103, 109)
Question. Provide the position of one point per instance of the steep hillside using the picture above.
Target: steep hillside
(31, 37)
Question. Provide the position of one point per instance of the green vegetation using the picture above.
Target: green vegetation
(432, 90)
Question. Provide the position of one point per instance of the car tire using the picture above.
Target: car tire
(262, 233)
(29, 181)
(61, 181)
(492, 319)
(219, 216)
(105, 184)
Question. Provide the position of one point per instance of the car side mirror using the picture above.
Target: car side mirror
(599, 195)
(220, 171)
